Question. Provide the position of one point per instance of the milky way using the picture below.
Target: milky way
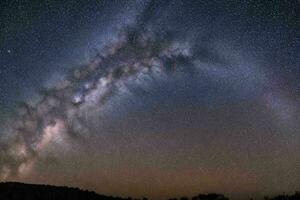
(154, 101)
(135, 56)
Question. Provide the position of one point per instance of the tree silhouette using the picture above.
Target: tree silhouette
(21, 191)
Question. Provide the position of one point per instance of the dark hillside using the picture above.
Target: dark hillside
(20, 191)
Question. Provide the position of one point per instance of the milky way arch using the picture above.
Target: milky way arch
(133, 56)
(67, 111)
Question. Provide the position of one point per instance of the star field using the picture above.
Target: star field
(150, 98)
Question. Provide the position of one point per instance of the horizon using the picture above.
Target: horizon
(144, 197)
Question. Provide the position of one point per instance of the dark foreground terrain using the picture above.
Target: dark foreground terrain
(21, 191)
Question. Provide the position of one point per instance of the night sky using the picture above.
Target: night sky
(151, 98)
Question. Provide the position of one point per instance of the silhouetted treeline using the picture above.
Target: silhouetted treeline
(214, 196)
(295, 196)
(21, 191)
(211, 196)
